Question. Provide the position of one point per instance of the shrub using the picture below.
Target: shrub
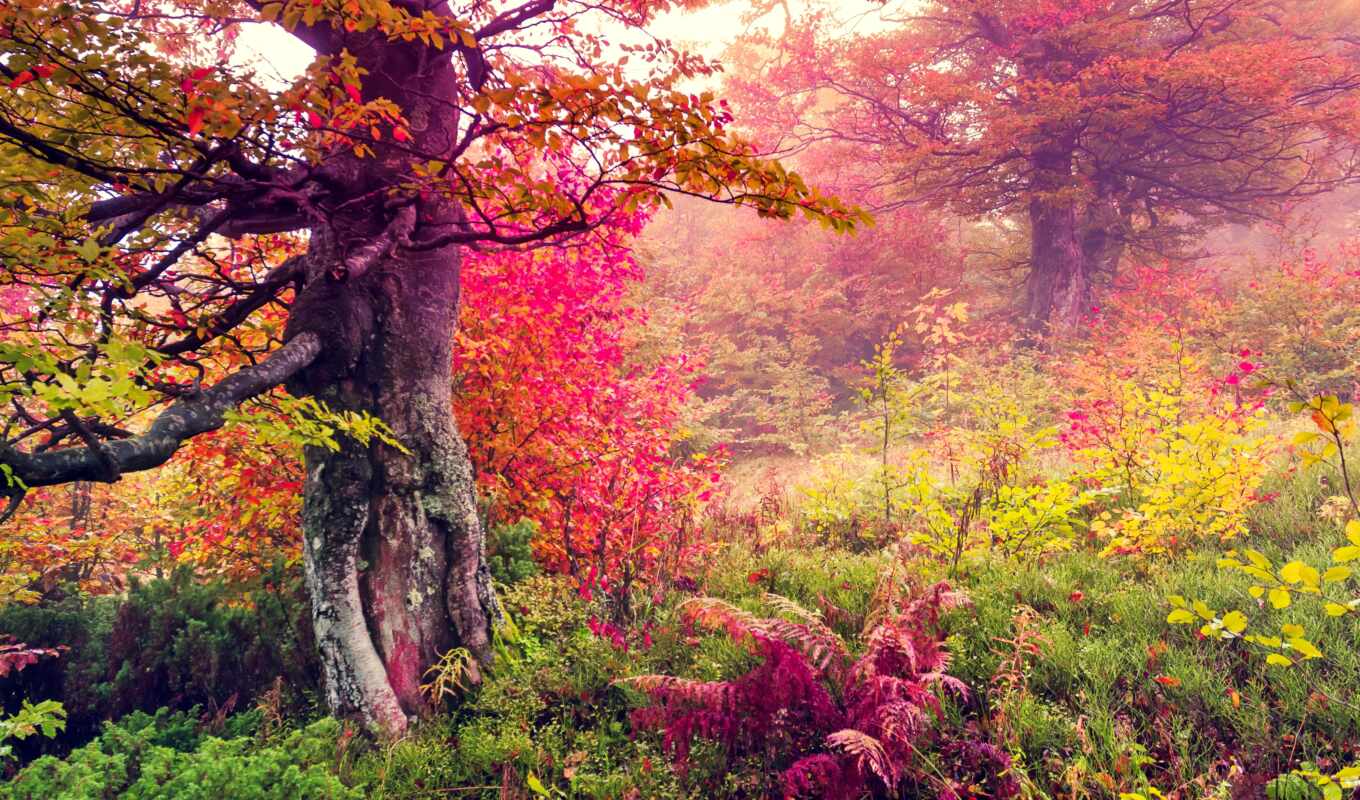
(136, 759)
(510, 551)
(172, 642)
(1186, 467)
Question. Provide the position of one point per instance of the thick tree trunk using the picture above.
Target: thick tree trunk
(394, 548)
(1058, 289)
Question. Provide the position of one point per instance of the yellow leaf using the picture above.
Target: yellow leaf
(1353, 531)
(1235, 621)
(1279, 598)
(1336, 610)
(1291, 630)
(1299, 572)
(1278, 660)
(1336, 574)
(1306, 648)
(1343, 554)
(1180, 617)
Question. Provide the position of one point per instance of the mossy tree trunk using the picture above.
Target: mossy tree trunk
(394, 550)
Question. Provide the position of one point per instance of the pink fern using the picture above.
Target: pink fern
(832, 726)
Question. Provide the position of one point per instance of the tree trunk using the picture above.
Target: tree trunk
(1058, 289)
(394, 549)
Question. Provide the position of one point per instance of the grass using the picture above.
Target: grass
(1111, 699)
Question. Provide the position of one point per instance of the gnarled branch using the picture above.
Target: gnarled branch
(184, 419)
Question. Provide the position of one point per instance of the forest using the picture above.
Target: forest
(680, 399)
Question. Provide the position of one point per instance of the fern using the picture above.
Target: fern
(828, 724)
(868, 754)
(822, 647)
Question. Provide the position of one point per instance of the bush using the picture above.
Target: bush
(545, 708)
(162, 757)
(510, 551)
(173, 642)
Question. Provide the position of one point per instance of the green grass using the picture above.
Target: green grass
(1093, 694)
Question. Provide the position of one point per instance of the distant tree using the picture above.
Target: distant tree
(152, 203)
(782, 315)
(1105, 126)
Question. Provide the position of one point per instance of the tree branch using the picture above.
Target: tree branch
(184, 419)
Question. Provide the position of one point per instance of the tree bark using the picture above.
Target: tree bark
(1058, 288)
(394, 549)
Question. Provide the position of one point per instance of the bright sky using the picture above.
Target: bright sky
(707, 32)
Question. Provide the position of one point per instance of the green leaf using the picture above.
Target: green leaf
(88, 251)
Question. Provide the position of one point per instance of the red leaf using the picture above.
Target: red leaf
(21, 79)
(353, 93)
(195, 120)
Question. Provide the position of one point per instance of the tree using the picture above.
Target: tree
(157, 199)
(1105, 126)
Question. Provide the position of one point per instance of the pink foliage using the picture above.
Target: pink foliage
(571, 420)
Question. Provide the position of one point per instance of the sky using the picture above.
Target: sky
(708, 32)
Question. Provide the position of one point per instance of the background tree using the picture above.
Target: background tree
(778, 366)
(1102, 126)
(153, 201)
